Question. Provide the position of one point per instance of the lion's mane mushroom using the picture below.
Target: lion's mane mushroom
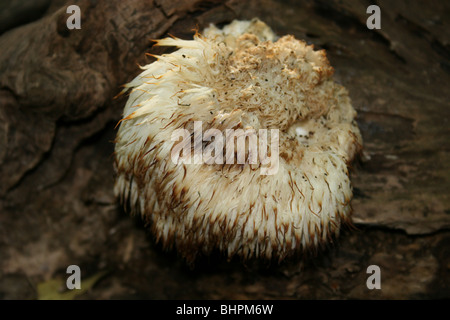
(240, 76)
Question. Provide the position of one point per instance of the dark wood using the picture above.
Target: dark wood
(57, 119)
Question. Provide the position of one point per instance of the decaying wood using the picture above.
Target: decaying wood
(57, 119)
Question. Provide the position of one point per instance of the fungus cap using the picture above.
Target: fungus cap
(238, 77)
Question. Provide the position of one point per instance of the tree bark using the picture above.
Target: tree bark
(57, 119)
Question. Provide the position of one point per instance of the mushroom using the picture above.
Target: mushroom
(238, 77)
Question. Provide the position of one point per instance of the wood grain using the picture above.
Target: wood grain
(57, 118)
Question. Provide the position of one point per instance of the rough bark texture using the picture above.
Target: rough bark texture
(57, 119)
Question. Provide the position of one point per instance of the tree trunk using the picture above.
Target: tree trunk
(57, 119)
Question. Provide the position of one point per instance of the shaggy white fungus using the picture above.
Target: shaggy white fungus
(240, 76)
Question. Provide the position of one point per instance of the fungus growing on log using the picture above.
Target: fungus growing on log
(239, 77)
